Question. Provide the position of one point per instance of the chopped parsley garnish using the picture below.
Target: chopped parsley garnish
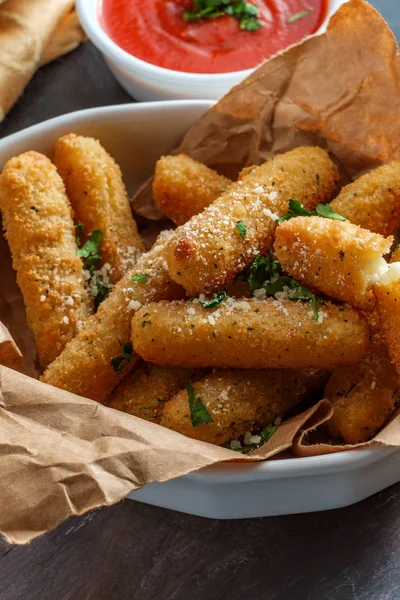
(102, 291)
(141, 278)
(324, 210)
(267, 273)
(299, 15)
(245, 12)
(79, 233)
(198, 412)
(119, 362)
(296, 209)
(90, 250)
(265, 434)
(215, 301)
(241, 227)
(34, 208)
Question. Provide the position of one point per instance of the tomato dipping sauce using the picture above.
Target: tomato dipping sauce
(156, 31)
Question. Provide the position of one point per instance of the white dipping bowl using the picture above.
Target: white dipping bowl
(137, 135)
(144, 81)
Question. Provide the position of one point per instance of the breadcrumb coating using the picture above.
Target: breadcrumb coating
(249, 334)
(332, 257)
(183, 187)
(146, 389)
(241, 401)
(94, 184)
(84, 367)
(373, 200)
(37, 219)
(210, 249)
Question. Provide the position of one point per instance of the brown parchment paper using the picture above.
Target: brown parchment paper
(62, 455)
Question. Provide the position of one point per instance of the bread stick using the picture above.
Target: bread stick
(39, 228)
(332, 257)
(249, 334)
(183, 187)
(209, 250)
(84, 367)
(94, 184)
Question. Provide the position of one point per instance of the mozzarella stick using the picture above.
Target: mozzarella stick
(210, 249)
(373, 200)
(332, 257)
(240, 401)
(249, 334)
(39, 228)
(146, 389)
(364, 396)
(94, 362)
(98, 196)
(387, 297)
(183, 187)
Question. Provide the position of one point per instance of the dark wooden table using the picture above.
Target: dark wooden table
(132, 551)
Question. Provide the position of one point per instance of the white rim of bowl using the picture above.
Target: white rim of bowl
(88, 12)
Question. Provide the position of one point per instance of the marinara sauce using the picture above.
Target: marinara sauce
(156, 32)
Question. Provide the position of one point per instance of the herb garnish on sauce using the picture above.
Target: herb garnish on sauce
(245, 12)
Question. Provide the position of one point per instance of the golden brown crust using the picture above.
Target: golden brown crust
(210, 250)
(239, 401)
(183, 187)
(41, 235)
(146, 389)
(331, 257)
(373, 200)
(84, 367)
(387, 296)
(364, 396)
(249, 334)
(98, 196)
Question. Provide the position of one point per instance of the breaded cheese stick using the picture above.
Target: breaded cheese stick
(387, 297)
(183, 187)
(85, 367)
(373, 200)
(210, 249)
(145, 390)
(39, 228)
(332, 257)
(240, 401)
(364, 396)
(249, 334)
(94, 184)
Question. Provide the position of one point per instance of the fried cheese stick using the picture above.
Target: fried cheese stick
(373, 200)
(364, 396)
(240, 401)
(37, 218)
(183, 187)
(332, 257)
(94, 184)
(84, 367)
(249, 334)
(387, 297)
(148, 387)
(210, 249)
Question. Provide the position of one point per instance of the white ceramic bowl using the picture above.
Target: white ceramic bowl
(144, 81)
(136, 135)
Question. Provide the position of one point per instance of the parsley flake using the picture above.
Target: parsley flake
(79, 233)
(118, 363)
(198, 412)
(90, 250)
(242, 229)
(141, 278)
(299, 15)
(265, 435)
(245, 12)
(324, 210)
(296, 209)
(215, 301)
(34, 208)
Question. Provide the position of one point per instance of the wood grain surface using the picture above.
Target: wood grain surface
(136, 552)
